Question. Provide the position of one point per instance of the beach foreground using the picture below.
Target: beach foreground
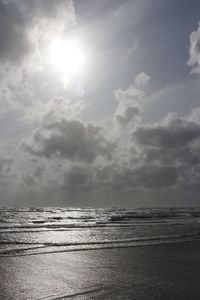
(169, 271)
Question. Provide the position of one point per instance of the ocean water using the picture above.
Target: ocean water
(33, 231)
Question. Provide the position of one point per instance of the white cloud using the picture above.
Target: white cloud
(194, 59)
(54, 110)
(141, 79)
(129, 109)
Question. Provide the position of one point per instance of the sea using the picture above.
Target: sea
(35, 231)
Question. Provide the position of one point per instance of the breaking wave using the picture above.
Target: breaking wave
(37, 231)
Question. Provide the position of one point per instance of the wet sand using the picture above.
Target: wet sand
(170, 271)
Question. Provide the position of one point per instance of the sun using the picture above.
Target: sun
(68, 56)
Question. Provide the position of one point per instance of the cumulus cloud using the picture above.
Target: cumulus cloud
(129, 108)
(171, 133)
(142, 156)
(162, 155)
(194, 52)
(54, 110)
(70, 139)
(156, 156)
(141, 79)
(127, 112)
(174, 142)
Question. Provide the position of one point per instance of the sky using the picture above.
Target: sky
(99, 103)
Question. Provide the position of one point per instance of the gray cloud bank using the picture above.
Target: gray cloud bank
(128, 155)
(6, 163)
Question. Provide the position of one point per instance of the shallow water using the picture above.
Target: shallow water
(33, 231)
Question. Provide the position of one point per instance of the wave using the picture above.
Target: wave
(143, 216)
(38, 230)
(25, 218)
(47, 248)
(57, 227)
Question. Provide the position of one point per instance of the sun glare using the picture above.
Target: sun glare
(68, 56)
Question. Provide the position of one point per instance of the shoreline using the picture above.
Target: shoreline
(167, 271)
(99, 248)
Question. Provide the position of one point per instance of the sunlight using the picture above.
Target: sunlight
(67, 56)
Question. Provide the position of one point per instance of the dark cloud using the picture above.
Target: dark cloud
(171, 133)
(146, 176)
(70, 139)
(6, 164)
(77, 177)
(34, 175)
(14, 42)
(173, 142)
(157, 156)
(29, 180)
(126, 113)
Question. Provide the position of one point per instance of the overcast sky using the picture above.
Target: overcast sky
(99, 103)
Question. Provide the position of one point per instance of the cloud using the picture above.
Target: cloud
(171, 133)
(194, 52)
(174, 142)
(129, 108)
(69, 153)
(70, 139)
(59, 9)
(195, 115)
(6, 164)
(141, 79)
(24, 23)
(14, 42)
(162, 155)
(142, 156)
(33, 176)
(26, 29)
(77, 177)
(55, 109)
(146, 176)
(127, 112)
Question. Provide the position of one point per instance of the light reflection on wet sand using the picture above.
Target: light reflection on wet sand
(153, 272)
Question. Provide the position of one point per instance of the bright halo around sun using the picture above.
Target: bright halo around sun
(67, 56)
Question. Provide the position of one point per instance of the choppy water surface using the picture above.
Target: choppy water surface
(32, 231)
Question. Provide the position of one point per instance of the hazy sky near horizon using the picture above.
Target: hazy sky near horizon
(99, 102)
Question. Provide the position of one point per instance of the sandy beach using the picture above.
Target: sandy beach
(169, 271)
